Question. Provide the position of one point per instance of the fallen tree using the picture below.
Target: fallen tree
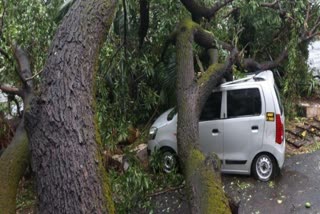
(202, 173)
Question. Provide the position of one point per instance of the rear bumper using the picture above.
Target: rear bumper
(280, 154)
(280, 160)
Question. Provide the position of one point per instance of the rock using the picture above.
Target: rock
(141, 152)
(309, 109)
(308, 204)
(122, 160)
(119, 161)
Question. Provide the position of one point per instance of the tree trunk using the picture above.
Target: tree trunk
(61, 123)
(13, 163)
(201, 173)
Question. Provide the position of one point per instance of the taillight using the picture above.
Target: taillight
(279, 129)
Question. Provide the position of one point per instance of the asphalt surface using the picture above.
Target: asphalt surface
(298, 184)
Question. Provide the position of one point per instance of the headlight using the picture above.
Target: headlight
(153, 132)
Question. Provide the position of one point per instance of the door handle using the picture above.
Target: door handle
(254, 127)
(215, 132)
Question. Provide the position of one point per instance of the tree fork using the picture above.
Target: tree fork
(16, 158)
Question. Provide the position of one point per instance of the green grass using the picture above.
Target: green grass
(26, 197)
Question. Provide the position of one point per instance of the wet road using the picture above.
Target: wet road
(298, 183)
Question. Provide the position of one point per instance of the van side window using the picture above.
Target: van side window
(212, 108)
(243, 102)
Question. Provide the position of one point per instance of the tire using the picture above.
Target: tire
(169, 160)
(264, 167)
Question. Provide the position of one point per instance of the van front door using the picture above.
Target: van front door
(211, 126)
(243, 127)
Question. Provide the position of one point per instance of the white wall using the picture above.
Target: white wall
(2, 98)
(314, 56)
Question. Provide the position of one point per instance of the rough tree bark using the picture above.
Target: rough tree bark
(61, 122)
(15, 159)
(201, 173)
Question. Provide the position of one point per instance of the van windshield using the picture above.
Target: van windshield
(172, 113)
(278, 98)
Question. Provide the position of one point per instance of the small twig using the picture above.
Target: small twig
(166, 190)
(305, 24)
(30, 78)
(270, 5)
(199, 63)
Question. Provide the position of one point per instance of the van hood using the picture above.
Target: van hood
(162, 120)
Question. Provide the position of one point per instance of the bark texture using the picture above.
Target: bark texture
(61, 122)
(198, 11)
(202, 174)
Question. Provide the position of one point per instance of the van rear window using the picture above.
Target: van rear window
(212, 108)
(243, 102)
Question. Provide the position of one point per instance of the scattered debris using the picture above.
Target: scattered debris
(308, 205)
(304, 133)
(279, 201)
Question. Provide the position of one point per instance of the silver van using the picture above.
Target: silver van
(242, 122)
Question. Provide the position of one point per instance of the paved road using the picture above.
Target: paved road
(299, 183)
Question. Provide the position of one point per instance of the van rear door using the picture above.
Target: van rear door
(243, 127)
(211, 126)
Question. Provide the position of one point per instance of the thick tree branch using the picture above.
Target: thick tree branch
(24, 66)
(16, 157)
(213, 55)
(11, 90)
(252, 65)
(199, 11)
(213, 76)
(144, 20)
(207, 40)
(171, 40)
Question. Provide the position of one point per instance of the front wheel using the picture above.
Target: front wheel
(264, 167)
(169, 160)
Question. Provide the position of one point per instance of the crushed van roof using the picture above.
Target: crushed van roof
(261, 76)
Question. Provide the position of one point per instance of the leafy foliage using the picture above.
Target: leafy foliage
(29, 24)
(132, 84)
(142, 184)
